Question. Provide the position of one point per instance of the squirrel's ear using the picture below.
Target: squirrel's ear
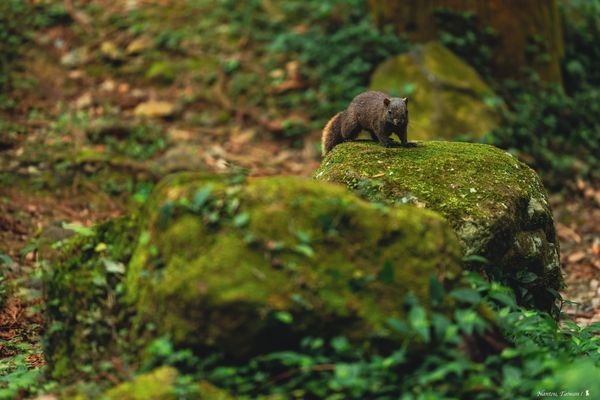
(405, 100)
(386, 101)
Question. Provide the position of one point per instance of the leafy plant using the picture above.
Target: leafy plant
(488, 347)
(581, 25)
(557, 134)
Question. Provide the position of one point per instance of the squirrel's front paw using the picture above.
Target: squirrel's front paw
(409, 144)
(390, 144)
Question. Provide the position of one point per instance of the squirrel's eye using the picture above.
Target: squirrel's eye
(390, 112)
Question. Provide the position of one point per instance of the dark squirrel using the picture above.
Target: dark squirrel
(374, 112)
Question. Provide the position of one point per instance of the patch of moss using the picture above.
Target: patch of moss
(493, 201)
(251, 267)
(157, 384)
(87, 319)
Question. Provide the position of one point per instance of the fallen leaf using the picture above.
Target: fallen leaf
(596, 247)
(576, 256)
(566, 233)
(155, 109)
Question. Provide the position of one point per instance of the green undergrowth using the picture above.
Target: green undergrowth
(555, 132)
(489, 348)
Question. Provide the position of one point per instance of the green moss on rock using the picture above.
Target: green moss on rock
(447, 96)
(158, 384)
(496, 204)
(87, 319)
(250, 267)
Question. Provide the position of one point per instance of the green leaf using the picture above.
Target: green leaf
(6, 259)
(305, 249)
(512, 376)
(387, 274)
(440, 325)
(466, 295)
(340, 344)
(526, 277)
(241, 220)
(398, 325)
(509, 352)
(396, 358)
(418, 320)
(166, 211)
(113, 267)
(504, 298)
(346, 372)
(201, 196)
(436, 291)
(303, 236)
(467, 320)
(474, 258)
(284, 316)
(79, 229)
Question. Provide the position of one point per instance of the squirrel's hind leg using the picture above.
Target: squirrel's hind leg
(350, 129)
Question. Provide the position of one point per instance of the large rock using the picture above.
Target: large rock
(246, 268)
(496, 204)
(218, 263)
(447, 96)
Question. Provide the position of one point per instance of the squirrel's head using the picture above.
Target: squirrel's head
(396, 110)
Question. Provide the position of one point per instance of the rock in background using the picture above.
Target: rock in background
(447, 96)
(496, 204)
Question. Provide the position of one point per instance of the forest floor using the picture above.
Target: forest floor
(57, 165)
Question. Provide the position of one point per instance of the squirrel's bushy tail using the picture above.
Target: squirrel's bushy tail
(332, 133)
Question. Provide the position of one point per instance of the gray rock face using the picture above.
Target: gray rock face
(497, 205)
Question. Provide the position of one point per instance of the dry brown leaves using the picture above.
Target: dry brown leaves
(578, 228)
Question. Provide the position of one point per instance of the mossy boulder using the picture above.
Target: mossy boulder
(496, 204)
(447, 96)
(247, 267)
